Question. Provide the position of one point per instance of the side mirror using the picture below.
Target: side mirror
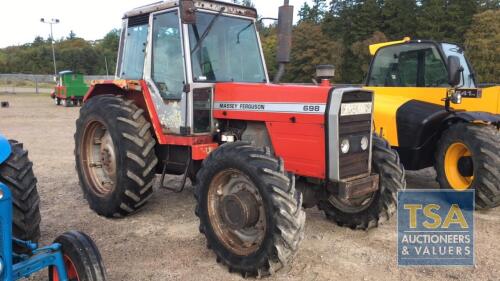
(187, 9)
(285, 25)
(454, 71)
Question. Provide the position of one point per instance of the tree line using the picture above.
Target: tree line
(334, 32)
(338, 32)
(72, 53)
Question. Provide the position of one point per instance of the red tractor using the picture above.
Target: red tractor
(192, 97)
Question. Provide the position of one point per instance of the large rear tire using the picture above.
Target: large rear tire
(382, 205)
(82, 259)
(17, 173)
(249, 209)
(115, 157)
(468, 157)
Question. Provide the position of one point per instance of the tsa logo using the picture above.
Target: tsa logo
(435, 227)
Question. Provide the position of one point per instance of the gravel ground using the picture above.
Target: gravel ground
(162, 241)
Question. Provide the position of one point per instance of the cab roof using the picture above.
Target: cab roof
(230, 8)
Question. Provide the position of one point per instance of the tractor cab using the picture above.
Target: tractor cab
(182, 62)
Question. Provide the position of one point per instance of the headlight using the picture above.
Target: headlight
(364, 143)
(344, 146)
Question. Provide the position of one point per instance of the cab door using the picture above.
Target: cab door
(165, 70)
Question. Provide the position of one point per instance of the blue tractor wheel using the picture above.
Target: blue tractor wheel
(16, 172)
(82, 259)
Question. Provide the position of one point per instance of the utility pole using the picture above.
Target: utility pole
(51, 23)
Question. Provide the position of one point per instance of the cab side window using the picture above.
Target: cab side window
(134, 48)
(167, 57)
(408, 65)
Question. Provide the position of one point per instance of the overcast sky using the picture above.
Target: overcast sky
(89, 19)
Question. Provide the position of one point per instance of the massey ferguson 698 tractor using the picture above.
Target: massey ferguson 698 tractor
(192, 97)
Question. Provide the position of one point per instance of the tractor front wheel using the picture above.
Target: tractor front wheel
(369, 212)
(82, 259)
(17, 173)
(115, 156)
(467, 158)
(249, 209)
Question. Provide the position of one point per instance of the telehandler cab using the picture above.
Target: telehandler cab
(192, 96)
(429, 107)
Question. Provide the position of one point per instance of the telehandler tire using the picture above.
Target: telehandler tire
(82, 259)
(249, 210)
(17, 173)
(468, 157)
(382, 204)
(115, 156)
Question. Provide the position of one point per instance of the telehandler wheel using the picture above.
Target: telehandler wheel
(81, 257)
(369, 212)
(57, 101)
(468, 157)
(115, 157)
(249, 209)
(17, 174)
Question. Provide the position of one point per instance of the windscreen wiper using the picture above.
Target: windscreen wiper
(209, 28)
(241, 31)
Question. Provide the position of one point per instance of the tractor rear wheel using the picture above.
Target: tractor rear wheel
(81, 257)
(115, 156)
(249, 209)
(17, 173)
(467, 158)
(369, 212)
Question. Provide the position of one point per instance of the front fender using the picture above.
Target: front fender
(5, 149)
(472, 117)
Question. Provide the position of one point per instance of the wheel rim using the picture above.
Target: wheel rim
(70, 270)
(98, 158)
(454, 157)
(236, 212)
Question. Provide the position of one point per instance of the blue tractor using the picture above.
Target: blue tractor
(73, 255)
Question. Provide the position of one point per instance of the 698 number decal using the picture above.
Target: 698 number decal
(312, 108)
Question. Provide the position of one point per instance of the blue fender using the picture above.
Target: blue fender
(5, 149)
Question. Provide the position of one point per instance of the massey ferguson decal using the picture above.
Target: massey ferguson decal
(272, 107)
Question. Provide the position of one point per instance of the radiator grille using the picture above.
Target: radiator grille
(354, 128)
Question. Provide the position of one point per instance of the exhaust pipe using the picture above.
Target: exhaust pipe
(285, 26)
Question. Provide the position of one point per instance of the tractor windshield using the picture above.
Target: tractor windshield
(225, 49)
(467, 80)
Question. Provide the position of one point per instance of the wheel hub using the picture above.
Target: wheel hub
(236, 211)
(98, 158)
(240, 210)
(107, 154)
(465, 166)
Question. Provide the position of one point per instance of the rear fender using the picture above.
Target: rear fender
(130, 89)
(5, 149)
(137, 90)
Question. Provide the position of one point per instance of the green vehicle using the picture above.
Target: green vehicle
(70, 89)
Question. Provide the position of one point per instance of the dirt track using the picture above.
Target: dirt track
(162, 241)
